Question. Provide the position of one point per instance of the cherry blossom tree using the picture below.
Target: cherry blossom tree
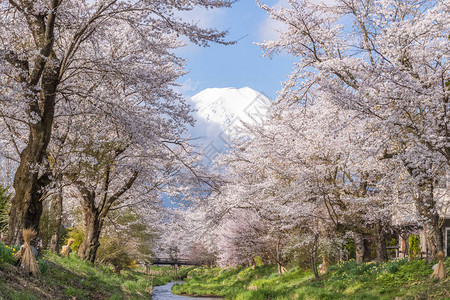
(308, 164)
(387, 60)
(55, 52)
(113, 167)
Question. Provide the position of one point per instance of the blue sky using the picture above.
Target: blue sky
(236, 65)
(239, 65)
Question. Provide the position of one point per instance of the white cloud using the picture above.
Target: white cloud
(203, 17)
(270, 29)
(188, 87)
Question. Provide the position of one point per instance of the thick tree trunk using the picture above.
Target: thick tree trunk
(433, 239)
(30, 180)
(359, 247)
(94, 216)
(380, 242)
(55, 221)
(93, 227)
(428, 214)
(26, 205)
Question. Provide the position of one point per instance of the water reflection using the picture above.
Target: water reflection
(162, 292)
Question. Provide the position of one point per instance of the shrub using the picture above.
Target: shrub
(258, 261)
(350, 247)
(5, 204)
(77, 234)
(414, 246)
(126, 241)
(114, 251)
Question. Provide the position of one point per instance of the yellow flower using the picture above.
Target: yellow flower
(14, 249)
(43, 258)
(6, 246)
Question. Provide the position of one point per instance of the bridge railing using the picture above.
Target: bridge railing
(171, 261)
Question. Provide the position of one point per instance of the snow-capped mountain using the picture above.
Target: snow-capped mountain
(229, 107)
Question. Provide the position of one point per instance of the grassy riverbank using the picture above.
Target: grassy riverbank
(75, 279)
(402, 278)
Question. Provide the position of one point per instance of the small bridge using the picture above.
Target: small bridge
(175, 262)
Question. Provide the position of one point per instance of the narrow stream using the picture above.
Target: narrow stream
(163, 292)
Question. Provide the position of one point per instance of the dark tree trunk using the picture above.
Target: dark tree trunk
(313, 261)
(26, 205)
(380, 242)
(359, 247)
(40, 77)
(313, 256)
(29, 180)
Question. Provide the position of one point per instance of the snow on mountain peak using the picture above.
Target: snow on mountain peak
(230, 107)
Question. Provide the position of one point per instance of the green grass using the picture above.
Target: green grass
(128, 283)
(68, 278)
(400, 278)
(22, 296)
(7, 253)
